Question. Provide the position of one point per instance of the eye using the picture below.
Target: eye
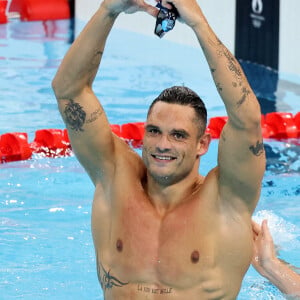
(152, 131)
(178, 135)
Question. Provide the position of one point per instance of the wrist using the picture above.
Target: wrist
(109, 11)
(272, 267)
(200, 27)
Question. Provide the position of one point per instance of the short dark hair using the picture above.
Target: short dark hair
(184, 96)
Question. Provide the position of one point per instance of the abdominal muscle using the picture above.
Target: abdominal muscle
(208, 285)
(209, 289)
(155, 292)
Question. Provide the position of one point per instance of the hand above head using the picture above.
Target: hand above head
(129, 6)
(189, 11)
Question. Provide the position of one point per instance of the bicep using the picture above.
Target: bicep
(241, 161)
(90, 134)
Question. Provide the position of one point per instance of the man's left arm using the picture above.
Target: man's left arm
(241, 158)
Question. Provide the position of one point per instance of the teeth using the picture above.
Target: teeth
(163, 157)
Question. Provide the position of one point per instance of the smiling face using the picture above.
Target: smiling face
(172, 146)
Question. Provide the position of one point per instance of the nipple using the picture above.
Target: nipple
(195, 257)
(119, 245)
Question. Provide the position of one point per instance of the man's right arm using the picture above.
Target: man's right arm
(88, 127)
(92, 140)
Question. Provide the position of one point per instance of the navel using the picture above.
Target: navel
(195, 257)
(119, 245)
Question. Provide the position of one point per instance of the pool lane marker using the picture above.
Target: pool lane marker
(55, 142)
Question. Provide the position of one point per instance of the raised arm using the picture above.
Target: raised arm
(92, 140)
(266, 262)
(241, 157)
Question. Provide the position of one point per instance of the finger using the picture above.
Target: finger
(151, 10)
(265, 231)
(255, 236)
(256, 227)
(151, 2)
(167, 4)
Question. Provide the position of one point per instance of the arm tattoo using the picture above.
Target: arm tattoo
(232, 64)
(236, 69)
(233, 67)
(219, 87)
(257, 149)
(74, 115)
(95, 115)
(108, 281)
(94, 64)
(245, 93)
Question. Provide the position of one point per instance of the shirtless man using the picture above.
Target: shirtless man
(161, 230)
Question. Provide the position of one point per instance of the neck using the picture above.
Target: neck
(166, 197)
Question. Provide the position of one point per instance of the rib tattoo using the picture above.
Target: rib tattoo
(108, 281)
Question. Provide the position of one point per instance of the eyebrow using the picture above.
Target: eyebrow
(150, 126)
(174, 130)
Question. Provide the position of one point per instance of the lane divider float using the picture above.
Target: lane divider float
(55, 142)
(3, 16)
(35, 10)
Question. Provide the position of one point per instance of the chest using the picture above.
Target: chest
(176, 248)
(192, 243)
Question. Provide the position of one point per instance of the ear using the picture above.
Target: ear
(203, 144)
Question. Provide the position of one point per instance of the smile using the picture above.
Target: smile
(166, 158)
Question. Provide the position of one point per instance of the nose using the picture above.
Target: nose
(163, 144)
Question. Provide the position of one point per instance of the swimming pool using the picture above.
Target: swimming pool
(45, 204)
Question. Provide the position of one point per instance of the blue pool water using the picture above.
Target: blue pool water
(46, 248)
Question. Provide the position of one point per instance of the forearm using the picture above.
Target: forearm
(240, 102)
(80, 65)
(282, 276)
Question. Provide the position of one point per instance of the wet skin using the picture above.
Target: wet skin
(148, 246)
(162, 231)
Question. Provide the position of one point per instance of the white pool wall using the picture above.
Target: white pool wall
(221, 16)
(143, 23)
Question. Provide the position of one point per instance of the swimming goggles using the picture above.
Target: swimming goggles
(165, 20)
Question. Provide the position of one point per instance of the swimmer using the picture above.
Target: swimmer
(160, 229)
(266, 262)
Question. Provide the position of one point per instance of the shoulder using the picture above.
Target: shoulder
(129, 164)
(223, 194)
(212, 177)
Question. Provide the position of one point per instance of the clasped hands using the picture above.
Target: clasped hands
(189, 10)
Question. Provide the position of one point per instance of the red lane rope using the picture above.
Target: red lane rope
(35, 10)
(3, 17)
(55, 142)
